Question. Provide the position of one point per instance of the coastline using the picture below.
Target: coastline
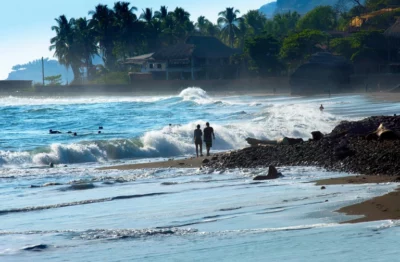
(375, 209)
(378, 208)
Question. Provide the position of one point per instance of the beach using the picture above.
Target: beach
(137, 187)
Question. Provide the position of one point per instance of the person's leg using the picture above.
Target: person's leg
(201, 149)
(208, 150)
(197, 150)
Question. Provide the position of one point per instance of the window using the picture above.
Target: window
(159, 66)
(151, 66)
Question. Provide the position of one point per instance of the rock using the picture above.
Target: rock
(272, 174)
(317, 135)
(322, 188)
(36, 248)
(382, 133)
(205, 161)
(290, 141)
(256, 142)
(80, 186)
(52, 184)
(214, 158)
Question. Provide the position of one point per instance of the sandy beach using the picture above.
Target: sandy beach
(194, 162)
(379, 208)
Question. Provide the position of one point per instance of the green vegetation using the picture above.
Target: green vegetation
(53, 80)
(269, 46)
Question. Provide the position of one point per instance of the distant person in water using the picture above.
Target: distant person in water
(321, 107)
(54, 132)
(198, 141)
(208, 137)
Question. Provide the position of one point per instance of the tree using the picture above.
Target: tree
(64, 46)
(127, 29)
(359, 43)
(263, 51)
(228, 21)
(297, 47)
(54, 80)
(255, 21)
(162, 14)
(282, 24)
(147, 15)
(85, 42)
(105, 27)
(321, 18)
(201, 25)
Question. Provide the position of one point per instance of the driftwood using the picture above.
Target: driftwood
(282, 141)
(382, 133)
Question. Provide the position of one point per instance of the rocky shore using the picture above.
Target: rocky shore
(353, 147)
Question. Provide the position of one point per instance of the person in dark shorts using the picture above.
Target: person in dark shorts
(208, 136)
(197, 140)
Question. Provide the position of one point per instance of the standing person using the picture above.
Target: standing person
(321, 107)
(208, 135)
(197, 140)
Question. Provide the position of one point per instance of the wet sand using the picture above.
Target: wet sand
(379, 208)
(385, 96)
(194, 162)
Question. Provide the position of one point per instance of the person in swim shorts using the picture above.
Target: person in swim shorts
(208, 137)
(198, 141)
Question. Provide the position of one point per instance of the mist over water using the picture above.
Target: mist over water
(78, 213)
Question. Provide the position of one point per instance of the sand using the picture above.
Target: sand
(385, 96)
(194, 162)
(379, 208)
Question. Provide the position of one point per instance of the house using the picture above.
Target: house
(323, 73)
(393, 36)
(198, 57)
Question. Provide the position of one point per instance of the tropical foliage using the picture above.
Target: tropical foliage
(268, 45)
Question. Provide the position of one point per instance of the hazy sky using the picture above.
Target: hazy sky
(25, 25)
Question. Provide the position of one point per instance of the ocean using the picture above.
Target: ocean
(176, 214)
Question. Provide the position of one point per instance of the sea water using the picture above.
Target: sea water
(176, 214)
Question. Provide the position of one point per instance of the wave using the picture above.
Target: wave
(232, 126)
(54, 100)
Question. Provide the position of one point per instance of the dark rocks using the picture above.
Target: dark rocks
(317, 135)
(36, 248)
(205, 161)
(272, 174)
(345, 149)
(323, 188)
(290, 141)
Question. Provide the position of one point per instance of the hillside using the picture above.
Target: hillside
(300, 6)
(33, 71)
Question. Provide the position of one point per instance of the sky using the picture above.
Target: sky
(25, 25)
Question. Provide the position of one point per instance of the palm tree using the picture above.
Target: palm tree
(127, 28)
(228, 21)
(162, 14)
(85, 42)
(201, 25)
(103, 20)
(180, 15)
(255, 21)
(284, 23)
(147, 15)
(63, 44)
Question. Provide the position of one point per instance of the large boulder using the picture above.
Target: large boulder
(382, 133)
(290, 141)
(317, 135)
(272, 174)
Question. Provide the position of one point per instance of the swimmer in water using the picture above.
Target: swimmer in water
(321, 107)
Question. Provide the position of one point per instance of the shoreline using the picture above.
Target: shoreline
(379, 208)
(383, 207)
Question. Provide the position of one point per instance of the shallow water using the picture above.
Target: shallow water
(175, 214)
